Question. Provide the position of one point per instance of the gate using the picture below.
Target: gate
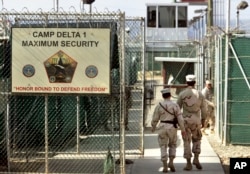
(71, 132)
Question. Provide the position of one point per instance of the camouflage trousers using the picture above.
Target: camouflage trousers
(192, 142)
(167, 139)
(210, 120)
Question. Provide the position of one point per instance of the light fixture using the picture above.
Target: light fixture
(88, 1)
(241, 6)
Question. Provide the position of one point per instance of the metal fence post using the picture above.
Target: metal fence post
(46, 135)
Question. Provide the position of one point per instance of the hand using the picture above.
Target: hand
(183, 134)
(202, 123)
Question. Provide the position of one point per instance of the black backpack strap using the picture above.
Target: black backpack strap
(166, 109)
(174, 122)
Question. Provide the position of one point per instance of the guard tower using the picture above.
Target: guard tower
(170, 52)
(167, 22)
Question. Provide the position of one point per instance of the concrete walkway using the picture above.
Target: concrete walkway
(150, 163)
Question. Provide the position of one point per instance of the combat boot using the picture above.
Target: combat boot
(165, 167)
(171, 164)
(196, 161)
(188, 165)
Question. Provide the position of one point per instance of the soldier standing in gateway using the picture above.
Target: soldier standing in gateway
(208, 94)
(169, 115)
(194, 113)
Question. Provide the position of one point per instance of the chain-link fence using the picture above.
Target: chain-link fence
(44, 130)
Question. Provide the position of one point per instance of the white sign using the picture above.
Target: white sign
(61, 60)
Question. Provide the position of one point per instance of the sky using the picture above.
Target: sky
(135, 8)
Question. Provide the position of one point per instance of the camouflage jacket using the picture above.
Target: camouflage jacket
(193, 104)
(160, 114)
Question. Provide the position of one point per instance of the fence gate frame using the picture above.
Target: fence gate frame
(130, 53)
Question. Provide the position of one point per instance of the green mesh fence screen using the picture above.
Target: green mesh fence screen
(237, 119)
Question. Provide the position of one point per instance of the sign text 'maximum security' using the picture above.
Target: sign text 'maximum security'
(64, 43)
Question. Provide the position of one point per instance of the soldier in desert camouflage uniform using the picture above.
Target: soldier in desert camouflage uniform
(169, 115)
(194, 113)
(208, 94)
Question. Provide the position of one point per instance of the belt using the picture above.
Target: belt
(171, 122)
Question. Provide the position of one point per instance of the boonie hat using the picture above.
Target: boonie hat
(165, 90)
(190, 78)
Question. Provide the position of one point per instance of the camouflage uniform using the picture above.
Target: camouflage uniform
(194, 110)
(208, 94)
(167, 133)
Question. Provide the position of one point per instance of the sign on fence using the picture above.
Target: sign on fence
(61, 60)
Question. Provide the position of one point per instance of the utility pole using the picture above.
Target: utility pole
(224, 139)
(56, 5)
(209, 36)
(210, 14)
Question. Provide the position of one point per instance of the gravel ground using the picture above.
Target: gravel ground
(227, 152)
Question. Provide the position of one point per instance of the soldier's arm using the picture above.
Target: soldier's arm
(210, 103)
(203, 92)
(155, 118)
(179, 118)
(203, 110)
(179, 101)
(180, 121)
